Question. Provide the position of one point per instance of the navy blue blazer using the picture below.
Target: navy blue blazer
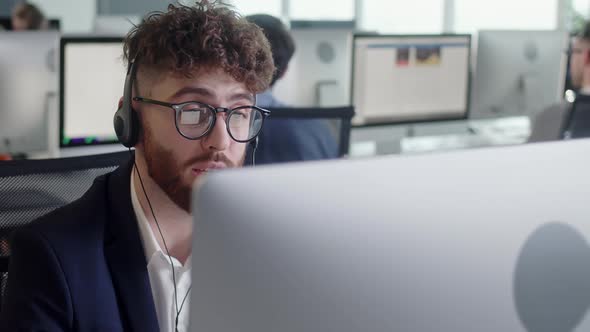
(288, 140)
(82, 267)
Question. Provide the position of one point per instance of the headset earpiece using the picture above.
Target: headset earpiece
(125, 121)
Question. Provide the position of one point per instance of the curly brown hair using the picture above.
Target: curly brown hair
(206, 35)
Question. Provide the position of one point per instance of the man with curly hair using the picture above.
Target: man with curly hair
(118, 259)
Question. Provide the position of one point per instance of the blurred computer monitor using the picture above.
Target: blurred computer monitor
(28, 87)
(92, 76)
(410, 78)
(117, 25)
(518, 72)
(481, 240)
(319, 72)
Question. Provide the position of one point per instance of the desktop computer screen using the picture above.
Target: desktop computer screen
(91, 78)
(518, 72)
(28, 85)
(401, 78)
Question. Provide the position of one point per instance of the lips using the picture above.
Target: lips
(207, 167)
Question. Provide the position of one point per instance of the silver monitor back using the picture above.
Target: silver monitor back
(319, 72)
(518, 72)
(28, 86)
(484, 240)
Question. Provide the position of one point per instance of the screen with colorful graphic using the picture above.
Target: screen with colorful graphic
(92, 79)
(410, 78)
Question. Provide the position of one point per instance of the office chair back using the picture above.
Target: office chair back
(577, 124)
(304, 134)
(30, 189)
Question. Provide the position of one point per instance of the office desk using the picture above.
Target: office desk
(441, 136)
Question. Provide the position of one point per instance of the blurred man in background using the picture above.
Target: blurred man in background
(551, 123)
(286, 140)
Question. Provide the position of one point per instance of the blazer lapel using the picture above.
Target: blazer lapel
(125, 256)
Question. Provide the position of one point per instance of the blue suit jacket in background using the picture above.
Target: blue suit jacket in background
(287, 140)
(82, 267)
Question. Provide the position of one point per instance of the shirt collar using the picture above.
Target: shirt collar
(150, 245)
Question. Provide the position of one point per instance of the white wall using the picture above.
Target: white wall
(77, 16)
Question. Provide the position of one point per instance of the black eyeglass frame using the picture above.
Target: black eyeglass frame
(574, 50)
(178, 107)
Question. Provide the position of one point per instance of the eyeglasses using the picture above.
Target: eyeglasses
(194, 119)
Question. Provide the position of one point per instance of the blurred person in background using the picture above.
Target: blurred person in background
(550, 124)
(288, 140)
(26, 16)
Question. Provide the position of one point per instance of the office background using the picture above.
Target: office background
(308, 72)
(384, 16)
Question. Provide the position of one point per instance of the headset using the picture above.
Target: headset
(126, 122)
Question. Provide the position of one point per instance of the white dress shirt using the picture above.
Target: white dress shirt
(160, 274)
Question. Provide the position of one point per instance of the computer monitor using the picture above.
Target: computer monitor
(319, 72)
(92, 76)
(518, 72)
(480, 240)
(410, 78)
(28, 87)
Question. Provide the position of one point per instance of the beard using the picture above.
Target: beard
(169, 173)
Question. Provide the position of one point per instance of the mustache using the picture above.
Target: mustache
(171, 181)
(214, 156)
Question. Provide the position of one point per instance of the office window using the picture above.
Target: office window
(473, 15)
(581, 7)
(76, 16)
(402, 16)
(248, 7)
(338, 10)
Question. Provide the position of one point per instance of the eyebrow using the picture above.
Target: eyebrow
(208, 93)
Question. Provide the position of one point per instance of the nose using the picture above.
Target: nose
(218, 139)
